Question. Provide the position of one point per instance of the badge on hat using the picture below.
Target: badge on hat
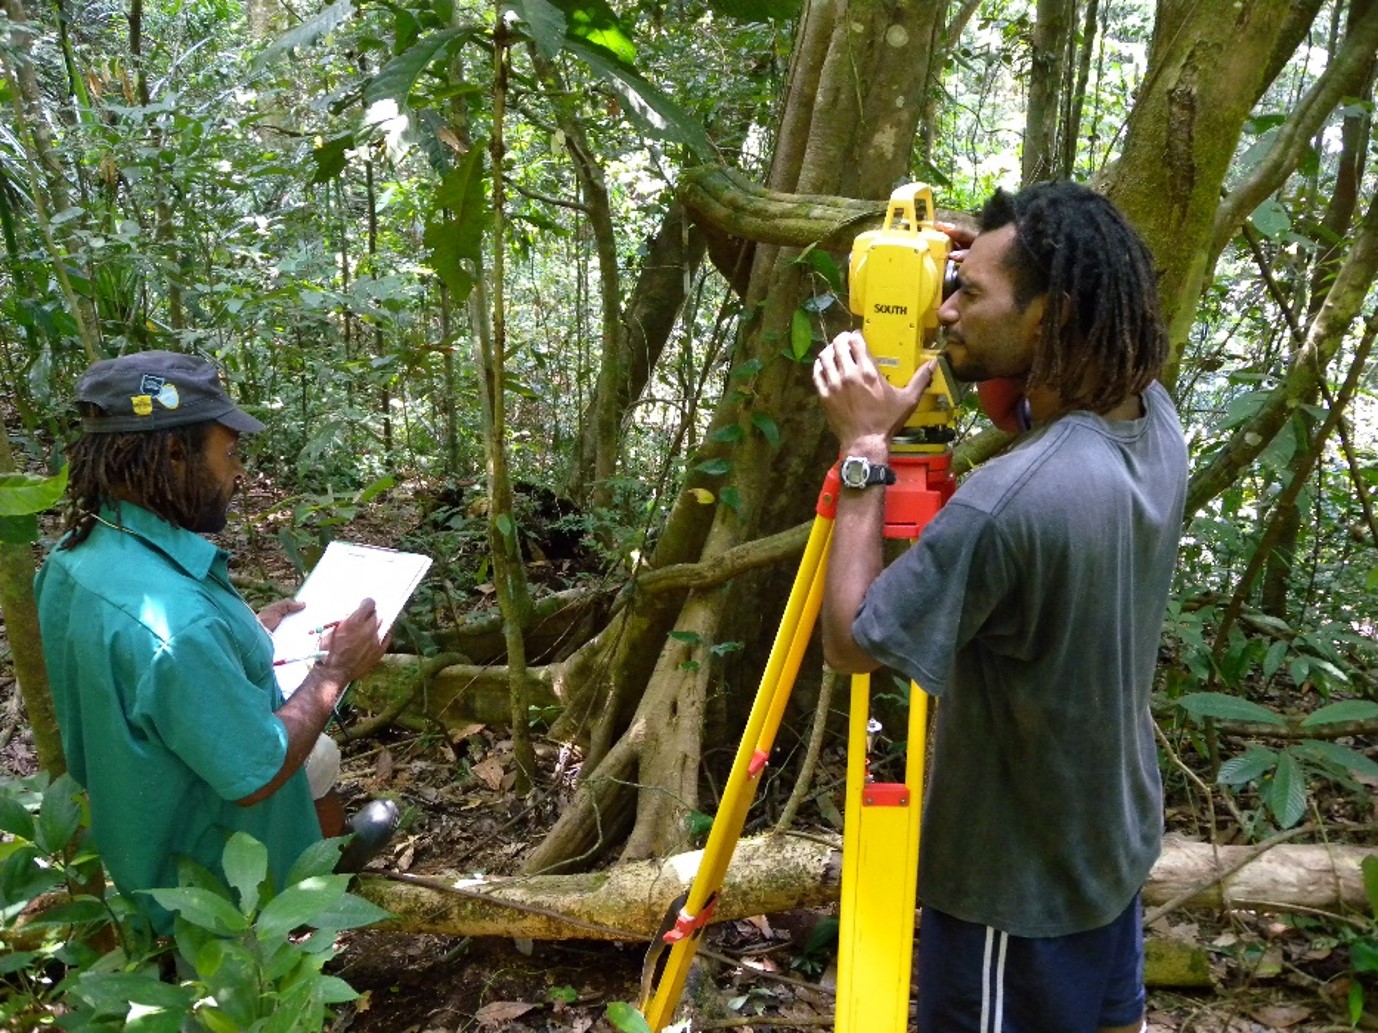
(152, 386)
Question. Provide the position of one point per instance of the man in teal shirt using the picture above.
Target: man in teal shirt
(170, 713)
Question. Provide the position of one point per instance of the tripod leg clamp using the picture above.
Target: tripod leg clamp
(687, 924)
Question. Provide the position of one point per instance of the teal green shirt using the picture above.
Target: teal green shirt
(163, 682)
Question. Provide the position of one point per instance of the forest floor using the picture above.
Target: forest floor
(1270, 972)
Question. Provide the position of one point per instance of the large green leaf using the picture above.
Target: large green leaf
(1253, 763)
(544, 22)
(653, 111)
(15, 818)
(594, 22)
(1286, 791)
(396, 79)
(59, 816)
(246, 866)
(350, 912)
(454, 232)
(22, 494)
(1228, 708)
(1342, 713)
(203, 908)
(301, 904)
(1341, 757)
(308, 31)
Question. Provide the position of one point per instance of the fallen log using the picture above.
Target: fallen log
(777, 873)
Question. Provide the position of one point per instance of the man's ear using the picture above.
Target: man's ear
(177, 449)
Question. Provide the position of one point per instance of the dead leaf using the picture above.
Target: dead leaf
(489, 772)
(502, 1011)
(382, 767)
(1280, 1016)
(762, 926)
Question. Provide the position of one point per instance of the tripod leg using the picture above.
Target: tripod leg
(796, 627)
(880, 868)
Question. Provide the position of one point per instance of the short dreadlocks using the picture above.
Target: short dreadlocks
(1102, 337)
(137, 466)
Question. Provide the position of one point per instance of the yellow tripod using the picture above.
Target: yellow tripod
(897, 277)
(880, 844)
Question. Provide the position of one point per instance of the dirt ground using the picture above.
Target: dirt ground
(1271, 972)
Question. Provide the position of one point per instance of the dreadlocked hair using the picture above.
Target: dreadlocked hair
(1102, 337)
(103, 468)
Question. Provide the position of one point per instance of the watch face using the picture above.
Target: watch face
(854, 472)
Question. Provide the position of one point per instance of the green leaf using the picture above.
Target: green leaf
(1286, 791)
(800, 335)
(731, 498)
(16, 961)
(21, 530)
(1369, 866)
(1341, 757)
(714, 467)
(691, 637)
(596, 23)
(544, 23)
(505, 526)
(822, 263)
(22, 494)
(307, 32)
(729, 435)
(298, 905)
(1243, 408)
(769, 429)
(202, 907)
(454, 233)
(626, 1018)
(15, 818)
(652, 110)
(1272, 662)
(1342, 713)
(334, 990)
(246, 866)
(59, 817)
(1253, 763)
(1228, 708)
(319, 858)
(697, 823)
(1271, 219)
(396, 79)
(78, 911)
(330, 157)
(1363, 956)
(382, 484)
(351, 912)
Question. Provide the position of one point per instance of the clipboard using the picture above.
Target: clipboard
(345, 576)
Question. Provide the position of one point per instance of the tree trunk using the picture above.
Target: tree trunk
(20, 612)
(778, 872)
(1207, 67)
(847, 95)
(1052, 34)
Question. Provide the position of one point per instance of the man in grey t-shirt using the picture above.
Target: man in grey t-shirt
(1031, 606)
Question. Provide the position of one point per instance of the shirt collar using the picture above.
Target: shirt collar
(187, 549)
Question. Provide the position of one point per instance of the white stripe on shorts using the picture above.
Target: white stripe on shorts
(993, 982)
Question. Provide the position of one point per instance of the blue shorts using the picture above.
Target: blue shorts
(975, 979)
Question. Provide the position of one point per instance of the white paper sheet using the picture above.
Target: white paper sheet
(345, 576)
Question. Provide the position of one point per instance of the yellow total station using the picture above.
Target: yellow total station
(898, 276)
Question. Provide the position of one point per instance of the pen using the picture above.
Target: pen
(319, 654)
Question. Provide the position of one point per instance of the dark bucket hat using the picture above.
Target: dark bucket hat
(154, 390)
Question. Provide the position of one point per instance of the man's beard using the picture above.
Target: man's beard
(207, 504)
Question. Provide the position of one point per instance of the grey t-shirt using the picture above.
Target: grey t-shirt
(1032, 606)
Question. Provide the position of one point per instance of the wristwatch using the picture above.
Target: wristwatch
(860, 472)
